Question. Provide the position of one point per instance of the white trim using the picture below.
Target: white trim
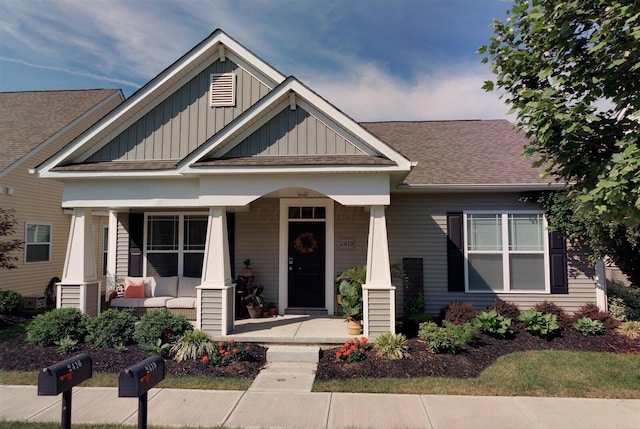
(466, 187)
(505, 252)
(601, 286)
(113, 249)
(283, 274)
(26, 241)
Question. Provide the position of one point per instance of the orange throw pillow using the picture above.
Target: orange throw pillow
(133, 289)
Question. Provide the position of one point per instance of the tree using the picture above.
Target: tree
(7, 228)
(570, 70)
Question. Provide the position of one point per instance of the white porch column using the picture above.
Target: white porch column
(112, 243)
(216, 293)
(378, 294)
(79, 287)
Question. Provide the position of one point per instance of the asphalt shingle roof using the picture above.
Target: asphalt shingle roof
(460, 152)
(31, 117)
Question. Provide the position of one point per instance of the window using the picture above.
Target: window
(38, 242)
(105, 248)
(505, 252)
(222, 90)
(175, 245)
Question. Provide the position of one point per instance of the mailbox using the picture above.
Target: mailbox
(136, 380)
(64, 375)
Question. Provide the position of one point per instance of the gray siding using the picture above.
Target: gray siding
(351, 222)
(293, 132)
(417, 229)
(184, 120)
(379, 302)
(122, 247)
(211, 317)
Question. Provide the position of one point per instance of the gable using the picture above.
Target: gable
(292, 133)
(184, 120)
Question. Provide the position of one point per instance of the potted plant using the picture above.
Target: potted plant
(350, 287)
(254, 301)
(272, 309)
(247, 271)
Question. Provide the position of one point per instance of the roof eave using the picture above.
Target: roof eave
(480, 187)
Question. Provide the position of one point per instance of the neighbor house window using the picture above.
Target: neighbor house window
(505, 252)
(175, 245)
(38, 242)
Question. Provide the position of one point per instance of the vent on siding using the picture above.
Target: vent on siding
(222, 90)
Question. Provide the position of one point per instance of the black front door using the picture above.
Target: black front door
(306, 264)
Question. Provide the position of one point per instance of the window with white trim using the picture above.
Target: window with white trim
(222, 90)
(37, 242)
(506, 252)
(175, 244)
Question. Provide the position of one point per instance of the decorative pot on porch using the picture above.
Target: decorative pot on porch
(254, 311)
(254, 301)
(350, 287)
(247, 271)
(354, 327)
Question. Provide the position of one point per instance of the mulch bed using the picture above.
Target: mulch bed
(17, 354)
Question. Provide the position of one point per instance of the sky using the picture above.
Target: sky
(375, 60)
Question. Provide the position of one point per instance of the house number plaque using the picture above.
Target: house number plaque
(347, 243)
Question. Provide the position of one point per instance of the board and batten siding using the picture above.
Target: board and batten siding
(184, 120)
(417, 228)
(293, 132)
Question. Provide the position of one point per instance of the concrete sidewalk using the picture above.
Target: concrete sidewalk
(287, 409)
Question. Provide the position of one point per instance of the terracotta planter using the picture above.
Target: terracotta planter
(339, 299)
(354, 327)
(273, 311)
(254, 312)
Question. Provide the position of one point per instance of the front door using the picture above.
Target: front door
(306, 264)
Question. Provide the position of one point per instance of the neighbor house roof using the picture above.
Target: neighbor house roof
(27, 119)
(461, 153)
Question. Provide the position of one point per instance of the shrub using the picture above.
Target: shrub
(505, 309)
(225, 352)
(618, 309)
(353, 350)
(111, 328)
(391, 346)
(593, 312)
(562, 318)
(158, 348)
(542, 325)
(630, 329)
(194, 344)
(414, 305)
(587, 326)
(10, 301)
(47, 328)
(458, 313)
(66, 345)
(161, 324)
(630, 295)
(492, 323)
(446, 339)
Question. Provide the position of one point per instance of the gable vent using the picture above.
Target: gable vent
(222, 90)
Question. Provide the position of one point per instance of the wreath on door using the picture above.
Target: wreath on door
(305, 242)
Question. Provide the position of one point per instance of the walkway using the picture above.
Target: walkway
(263, 409)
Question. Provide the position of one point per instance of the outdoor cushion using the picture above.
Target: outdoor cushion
(147, 283)
(187, 286)
(154, 302)
(125, 302)
(134, 289)
(181, 302)
(164, 286)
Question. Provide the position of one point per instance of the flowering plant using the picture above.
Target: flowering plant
(353, 350)
(225, 352)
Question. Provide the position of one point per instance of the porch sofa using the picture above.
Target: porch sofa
(177, 294)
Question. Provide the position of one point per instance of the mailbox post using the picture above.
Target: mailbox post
(135, 382)
(62, 377)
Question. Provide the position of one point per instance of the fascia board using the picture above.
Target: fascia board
(120, 174)
(156, 85)
(471, 187)
(289, 170)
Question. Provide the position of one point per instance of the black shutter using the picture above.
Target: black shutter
(455, 253)
(558, 263)
(231, 236)
(136, 234)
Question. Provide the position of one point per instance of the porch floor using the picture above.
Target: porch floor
(290, 329)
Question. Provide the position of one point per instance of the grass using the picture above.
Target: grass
(532, 373)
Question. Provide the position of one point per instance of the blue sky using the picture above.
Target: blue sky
(373, 59)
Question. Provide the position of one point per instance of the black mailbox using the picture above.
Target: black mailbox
(64, 375)
(139, 378)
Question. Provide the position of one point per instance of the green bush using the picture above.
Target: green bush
(593, 312)
(562, 318)
(161, 324)
(10, 301)
(587, 326)
(447, 339)
(225, 352)
(618, 309)
(492, 323)
(542, 325)
(458, 313)
(194, 345)
(111, 328)
(47, 328)
(391, 346)
(414, 305)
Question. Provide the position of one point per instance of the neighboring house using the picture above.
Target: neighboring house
(34, 125)
(223, 143)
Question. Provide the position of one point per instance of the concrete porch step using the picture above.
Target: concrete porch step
(293, 354)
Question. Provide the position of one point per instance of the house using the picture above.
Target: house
(221, 158)
(34, 125)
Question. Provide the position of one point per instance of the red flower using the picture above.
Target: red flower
(220, 343)
(231, 341)
(205, 359)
